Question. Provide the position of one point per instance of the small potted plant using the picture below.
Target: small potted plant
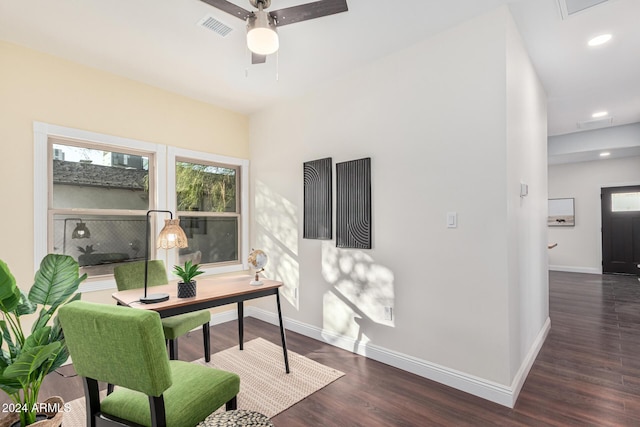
(187, 287)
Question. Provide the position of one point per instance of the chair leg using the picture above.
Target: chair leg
(92, 396)
(173, 349)
(158, 415)
(232, 404)
(206, 337)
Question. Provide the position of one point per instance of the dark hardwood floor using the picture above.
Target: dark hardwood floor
(587, 373)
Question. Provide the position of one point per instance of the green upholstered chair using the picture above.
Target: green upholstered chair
(131, 276)
(125, 347)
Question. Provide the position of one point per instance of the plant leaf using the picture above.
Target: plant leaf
(30, 360)
(5, 359)
(189, 271)
(57, 334)
(9, 291)
(45, 315)
(38, 338)
(56, 280)
(9, 385)
(60, 358)
(25, 306)
(6, 334)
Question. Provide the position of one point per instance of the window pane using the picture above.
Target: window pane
(211, 239)
(625, 202)
(205, 188)
(99, 243)
(96, 179)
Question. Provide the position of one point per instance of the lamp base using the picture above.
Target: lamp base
(255, 282)
(153, 298)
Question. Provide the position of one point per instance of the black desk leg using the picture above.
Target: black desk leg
(241, 324)
(284, 339)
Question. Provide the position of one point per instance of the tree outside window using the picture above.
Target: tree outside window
(208, 206)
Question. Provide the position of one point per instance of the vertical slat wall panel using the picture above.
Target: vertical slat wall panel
(353, 204)
(318, 205)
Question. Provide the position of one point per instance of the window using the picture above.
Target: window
(209, 210)
(98, 204)
(92, 193)
(625, 202)
(211, 200)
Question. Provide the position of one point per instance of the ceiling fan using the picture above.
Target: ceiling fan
(262, 36)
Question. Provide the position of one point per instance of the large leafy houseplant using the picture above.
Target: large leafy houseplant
(26, 359)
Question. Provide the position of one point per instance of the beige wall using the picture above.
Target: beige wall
(43, 88)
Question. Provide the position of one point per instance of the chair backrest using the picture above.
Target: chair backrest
(118, 345)
(130, 275)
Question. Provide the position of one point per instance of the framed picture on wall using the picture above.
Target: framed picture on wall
(561, 213)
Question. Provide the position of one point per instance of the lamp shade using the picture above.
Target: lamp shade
(81, 231)
(172, 235)
(262, 37)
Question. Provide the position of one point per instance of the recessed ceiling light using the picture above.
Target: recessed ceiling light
(599, 114)
(601, 39)
(605, 154)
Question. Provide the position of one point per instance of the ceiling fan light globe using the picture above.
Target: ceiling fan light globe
(262, 37)
(263, 41)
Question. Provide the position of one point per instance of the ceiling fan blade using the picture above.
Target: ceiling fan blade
(304, 12)
(258, 59)
(230, 8)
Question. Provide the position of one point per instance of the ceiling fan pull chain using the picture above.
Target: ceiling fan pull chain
(246, 69)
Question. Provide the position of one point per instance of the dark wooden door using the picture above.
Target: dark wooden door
(621, 230)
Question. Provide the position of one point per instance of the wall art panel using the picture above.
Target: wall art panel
(353, 204)
(318, 205)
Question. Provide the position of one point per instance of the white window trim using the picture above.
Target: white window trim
(172, 154)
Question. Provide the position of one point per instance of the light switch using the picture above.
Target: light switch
(452, 220)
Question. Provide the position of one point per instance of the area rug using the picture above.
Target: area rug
(264, 385)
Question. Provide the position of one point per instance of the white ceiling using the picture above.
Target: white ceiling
(159, 42)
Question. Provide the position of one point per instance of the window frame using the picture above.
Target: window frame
(53, 211)
(163, 174)
(175, 154)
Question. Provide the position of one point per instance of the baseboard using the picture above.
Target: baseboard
(498, 393)
(523, 372)
(223, 317)
(569, 269)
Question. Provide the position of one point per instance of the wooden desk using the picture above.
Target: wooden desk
(210, 292)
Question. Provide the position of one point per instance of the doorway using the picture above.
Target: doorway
(621, 230)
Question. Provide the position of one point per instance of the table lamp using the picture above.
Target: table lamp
(171, 236)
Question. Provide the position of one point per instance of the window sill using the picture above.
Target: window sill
(108, 283)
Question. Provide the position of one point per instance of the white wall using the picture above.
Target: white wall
(528, 283)
(580, 248)
(434, 120)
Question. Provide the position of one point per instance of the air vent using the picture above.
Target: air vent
(595, 124)
(214, 25)
(571, 7)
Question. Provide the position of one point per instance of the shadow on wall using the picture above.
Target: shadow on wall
(362, 293)
(277, 235)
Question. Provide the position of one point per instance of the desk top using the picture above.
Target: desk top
(207, 289)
